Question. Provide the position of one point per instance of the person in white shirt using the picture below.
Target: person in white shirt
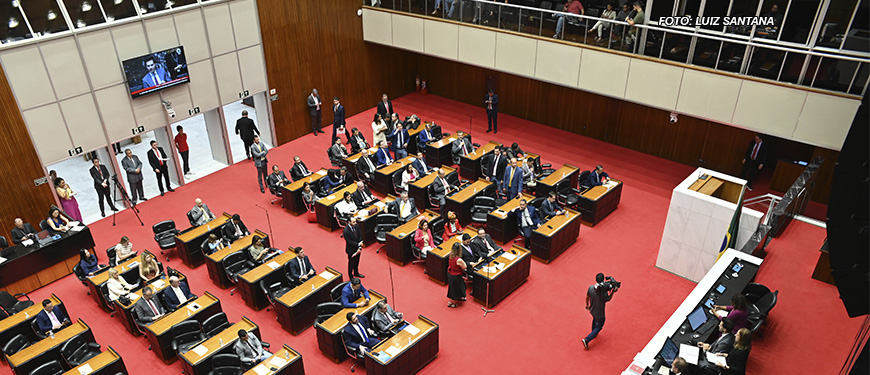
(177, 294)
(123, 250)
(346, 207)
(408, 176)
(117, 285)
(379, 129)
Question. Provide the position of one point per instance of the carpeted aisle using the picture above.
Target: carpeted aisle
(537, 329)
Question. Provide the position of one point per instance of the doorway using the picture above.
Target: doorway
(256, 106)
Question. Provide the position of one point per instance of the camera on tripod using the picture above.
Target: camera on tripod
(607, 285)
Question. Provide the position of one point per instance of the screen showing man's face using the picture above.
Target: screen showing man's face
(151, 66)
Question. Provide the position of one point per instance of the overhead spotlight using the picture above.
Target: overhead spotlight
(118, 2)
(109, 18)
(15, 3)
(13, 22)
(143, 10)
(51, 15)
(80, 24)
(169, 4)
(86, 6)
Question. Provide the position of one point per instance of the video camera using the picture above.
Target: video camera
(607, 285)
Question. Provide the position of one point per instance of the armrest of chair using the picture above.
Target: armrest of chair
(476, 144)
(548, 165)
(265, 344)
(94, 346)
(22, 295)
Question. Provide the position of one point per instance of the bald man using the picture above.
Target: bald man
(177, 294)
(22, 231)
(200, 214)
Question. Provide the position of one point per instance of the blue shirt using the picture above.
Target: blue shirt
(348, 295)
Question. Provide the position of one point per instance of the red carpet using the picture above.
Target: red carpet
(537, 329)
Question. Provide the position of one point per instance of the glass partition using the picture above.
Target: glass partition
(118, 9)
(13, 26)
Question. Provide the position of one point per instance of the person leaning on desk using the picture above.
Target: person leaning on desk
(735, 360)
(148, 309)
(723, 344)
(117, 285)
(595, 177)
(88, 262)
(22, 231)
(57, 223)
(51, 318)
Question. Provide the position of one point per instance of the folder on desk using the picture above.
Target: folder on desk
(85, 369)
(261, 370)
(690, 353)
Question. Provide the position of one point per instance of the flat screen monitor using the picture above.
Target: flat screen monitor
(156, 71)
(720, 288)
(697, 318)
(669, 351)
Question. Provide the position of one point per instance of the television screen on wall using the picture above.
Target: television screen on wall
(156, 71)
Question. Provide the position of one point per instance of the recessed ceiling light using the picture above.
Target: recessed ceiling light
(15, 3)
(51, 15)
(118, 2)
(86, 6)
(80, 24)
(13, 22)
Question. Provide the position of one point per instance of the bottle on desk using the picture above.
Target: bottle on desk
(312, 287)
(286, 354)
(51, 333)
(221, 340)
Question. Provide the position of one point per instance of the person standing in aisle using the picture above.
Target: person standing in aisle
(314, 110)
(353, 247)
(246, 129)
(133, 166)
(259, 151)
(491, 104)
(157, 158)
(100, 175)
(183, 149)
(597, 296)
(338, 122)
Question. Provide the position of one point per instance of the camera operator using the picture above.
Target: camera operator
(596, 297)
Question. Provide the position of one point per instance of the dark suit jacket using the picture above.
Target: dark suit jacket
(152, 158)
(594, 178)
(131, 166)
(312, 105)
(98, 180)
(363, 167)
(348, 296)
(424, 137)
(352, 238)
(386, 110)
(382, 156)
(532, 214)
(762, 152)
(723, 344)
(496, 168)
(44, 323)
(358, 198)
(295, 271)
(478, 245)
(420, 166)
(355, 141)
(548, 209)
(171, 299)
(514, 186)
(494, 102)
(144, 312)
(394, 139)
(229, 231)
(18, 234)
(329, 182)
(276, 181)
(296, 171)
(148, 78)
(351, 338)
(438, 189)
(246, 128)
(468, 256)
(737, 362)
(394, 207)
(338, 118)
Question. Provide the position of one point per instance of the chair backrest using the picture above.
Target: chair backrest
(336, 292)
(536, 203)
(71, 346)
(3, 242)
(7, 301)
(77, 270)
(754, 292)
(112, 254)
(48, 368)
(233, 258)
(484, 202)
(488, 191)
(163, 226)
(766, 303)
(3, 314)
(35, 327)
(224, 360)
(347, 350)
(397, 181)
(563, 185)
(386, 218)
(437, 226)
(15, 344)
(216, 322)
(582, 178)
(180, 331)
(44, 225)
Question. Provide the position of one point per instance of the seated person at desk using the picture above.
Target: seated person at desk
(385, 317)
(399, 141)
(451, 226)
(51, 318)
(330, 182)
(260, 253)
(419, 164)
(57, 223)
(412, 122)
(357, 141)
(363, 197)
(148, 268)
(409, 175)
(234, 229)
(738, 312)
(300, 269)
(512, 184)
(299, 170)
(346, 208)
(595, 177)
(177, 294)
(530, 178)
(483, 245)
(723, 344)
(88, 262)
(467, 252)
(250, 350)
(365, 166)
(515, 151)
(735, 360)
(404, 207)
(680, 366)
(22, 231)
(527, 221)
(308, 195)
(200, 214)
(212, 244)
(461, 146)
(494, 172)
(277, 179)
(352, 291)
(148, 309)
(117, 285)
(550, 208)
(358, 336)
(337, 151)
(124, 250)
(382, 156)
(423, 239)
(425, 137)
(441, 188)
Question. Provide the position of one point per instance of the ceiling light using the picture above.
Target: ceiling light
(118, 2)
(51, 15)
(15, 3)
(86, 6)
(110, 18)
(143, 10)
(80, 24)
(13, 22)
(169, 4)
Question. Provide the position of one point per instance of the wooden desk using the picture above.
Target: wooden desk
(501, 225)
(383, 178)
(707, 186)
(469, 165)
(285, 361)
(214, 261)
(324, 207)
(501, 282)
(785, 174)
(129, 270)
(350, 161)
(124, 313)
(159, 334)
(419, 190)
(19, 324)
(368, 222)
(822, 272)
(296, 309)
(47, 349)
(189, 243)
(195, 364)
(599, 201)
(441, 152)
(548, 184)
(105, 363)
(436, 260)
(414, 351)
(462, 201)
(28, 268)
(329, 338)
(292, 194)
(398, 245)
(249, 282)
(555, 235)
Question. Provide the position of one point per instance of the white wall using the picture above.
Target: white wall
(786, 112)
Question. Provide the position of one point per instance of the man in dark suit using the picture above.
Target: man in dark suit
(246, 129)
(177, 294)
(358, 335)
(300, 269)
(277, 179)
(337, 151)
(461, 146)
(527, 221)
(234, 229)
(392, 122)
(330, 182)
(148, 309)
(467, 252)
(385, 107)
(382, 156)
(51, 318)
(404, 207)
(352, 291)
(425, 137)
(483, 245)
(490, 102)
(512, 182)
(299, 170)
(22, 231)
(133, 166)
(258, 153)
(363, 197)
(357, 141)
(338, 120)
(157, 159)
(100, 175)
(595, 177)
(353, 239)
(723, 344)
(399, 139)
(440, 188)
(365, 166)
(314, 110)
(419, 164)
(494, 171)
(753, 160)
(550, 207)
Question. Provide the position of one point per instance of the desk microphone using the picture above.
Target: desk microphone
(514, 252)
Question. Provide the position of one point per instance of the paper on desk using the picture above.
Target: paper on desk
(509, 256)
(277, 361)
(499, 266)
(193, 306)
(27, 242)
(326, 275)
(393, 350)
(380, 205)
(135, 263)
(85, 369)
(133, 296)
(722, 313)
(321, 172)
(261, 370)
(330, 197)
(73, 223)
(76, 229)
(488, 270)
(273, 265)
(2, 259)
(200, 350)
(412, 330)
(690, 353)
(715, 359)
(664, 370)
(158, 283)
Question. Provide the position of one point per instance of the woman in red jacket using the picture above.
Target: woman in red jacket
(451, 227)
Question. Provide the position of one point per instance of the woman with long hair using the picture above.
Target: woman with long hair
(88, 262)
(738, 312)
(123, 250)
(451, 226)
(148, 268)
(117, 285)
(423, 237)
(67, 199)
(456, 288)
(408, 176)
(57, 222)
(379, 129)
(735, 361)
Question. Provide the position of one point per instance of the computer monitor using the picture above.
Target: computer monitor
(669, 351)
(720, 288)
(697, 318)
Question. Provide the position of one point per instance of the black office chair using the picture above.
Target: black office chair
(140, 329)
(481, 207)
(581, 180)
(437, 228)
(186, 335)
(77, 351)
(543, 170)
(112, 255)
(15, 344)
(357, 359)
(765, 304)
(80, 274)
(397, 182)
(190, 219)
(48, 368)
(236, 264)
(755, 321)
(215, 324)
(275, 190)
(536, 202)
(332, 158)
(44, 226)
(754, 291)
(3, 243)
(340, 219)
(12, 304)
(336, 292)
(35, 327)
(3, 314)
(566, 195)
(418, 254)
(226, 364)
(384, 224)
(326, 310)
(274, 286)
(489, 191)
(104, 289)
(164, 235)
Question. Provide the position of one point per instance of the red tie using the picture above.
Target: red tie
(755, 150)
(154, 309)
(159, 160)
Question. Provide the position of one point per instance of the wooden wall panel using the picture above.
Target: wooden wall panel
(20, 197)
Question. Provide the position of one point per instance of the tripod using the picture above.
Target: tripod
(125, 199)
